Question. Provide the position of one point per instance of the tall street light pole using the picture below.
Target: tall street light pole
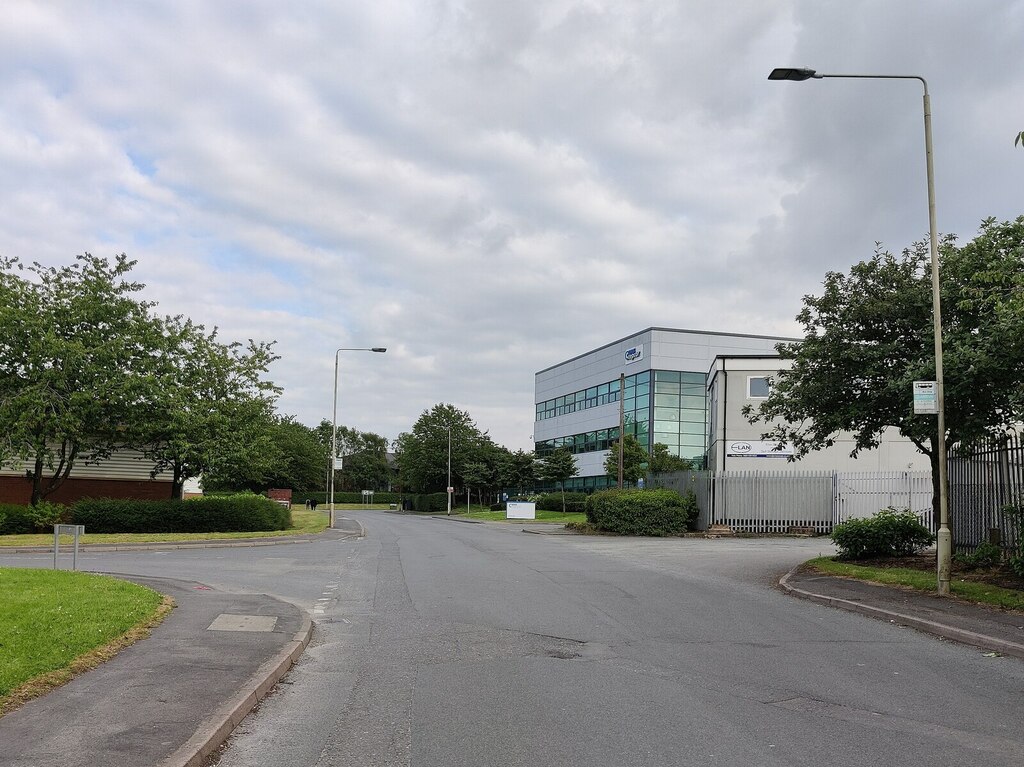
(449, 486)
(945, 537)
(334, 424)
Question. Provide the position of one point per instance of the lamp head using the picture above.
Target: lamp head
(793, 73)
(379, 349)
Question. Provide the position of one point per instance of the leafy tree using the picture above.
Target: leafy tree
(663, 462)
(869, 336)
(422, 454)
(479, 475)
(291, 456)
(516, 470)
(78, 353)
(557, 466)
(366, 460)
(210, 395)
(634, 460)
(1019, 139)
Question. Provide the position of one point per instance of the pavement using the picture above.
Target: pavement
(174, 698)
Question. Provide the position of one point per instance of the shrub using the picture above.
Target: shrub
(32, 519)
(237, 513)
(891, 532)
(985, 555)
(641, 512)
(321, 497)
(574, 502)
(499, 506)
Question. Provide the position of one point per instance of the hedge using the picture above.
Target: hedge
(321, 497)
(574, 502)
(15, 519)
(641, 512)
(236, 513)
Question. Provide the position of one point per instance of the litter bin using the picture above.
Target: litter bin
(393, 506)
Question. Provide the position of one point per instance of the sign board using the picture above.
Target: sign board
(926, 398)
(753, 448)
(634, 355)
(338, 460)
(520, 510)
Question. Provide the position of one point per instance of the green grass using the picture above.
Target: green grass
(303, 522)
(555, 517)
(922, 580)
(51, 620)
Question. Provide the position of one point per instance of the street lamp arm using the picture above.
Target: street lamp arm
(797, 74)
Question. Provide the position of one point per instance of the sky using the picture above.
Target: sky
(488, 188)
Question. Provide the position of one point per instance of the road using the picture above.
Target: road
(447, 643)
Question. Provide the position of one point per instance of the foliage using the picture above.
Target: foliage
(365, 460)
(1016, 560)
(641, 512)
(290, 455)
(984, 556)
(634, 460)
(212, 404)
(564, 502)
(87, 369)
(32, 519)
(77, 360)
(891, 532)
(422, 454)
(869, 336)
(214, 514)
(557, 466)
(663, 462)
(517, 471)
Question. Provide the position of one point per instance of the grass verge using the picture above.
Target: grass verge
(555, 517)
(921, 580)
(56, 624)
(304, 522)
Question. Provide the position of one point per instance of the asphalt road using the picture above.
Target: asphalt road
(446, 643)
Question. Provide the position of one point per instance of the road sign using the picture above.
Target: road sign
(926, 398)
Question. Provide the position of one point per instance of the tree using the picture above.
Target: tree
(663, 462)
(479, 475)
(516, 470)
(1019, 139)
(210, 397)
(557, 466)
(365, 460)
(634, 460)
(869, 336)
(78, 357)
(422, 454)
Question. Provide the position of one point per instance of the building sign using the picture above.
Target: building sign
(634, 355)
(743, 448)
(926, 398)
(520, 510)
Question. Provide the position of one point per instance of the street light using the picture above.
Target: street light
(945, 538)
(449, 488)
(334, 422)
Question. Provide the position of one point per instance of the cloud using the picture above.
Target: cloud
(488, 188)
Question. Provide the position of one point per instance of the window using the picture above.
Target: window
(757, 387)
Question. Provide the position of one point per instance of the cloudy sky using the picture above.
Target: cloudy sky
(489, 187)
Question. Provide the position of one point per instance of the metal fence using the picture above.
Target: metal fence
(776, 502)
(983, 481)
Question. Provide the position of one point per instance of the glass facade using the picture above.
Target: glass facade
(680, 413)
(663, 406)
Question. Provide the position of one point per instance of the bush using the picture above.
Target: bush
(321, 497)
(15, 519)
(891, 532)
(985, 555)
(641, 512)
(574, 502)
(502, 506)
(236, 513)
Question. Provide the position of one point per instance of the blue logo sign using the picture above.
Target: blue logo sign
(634, 355)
